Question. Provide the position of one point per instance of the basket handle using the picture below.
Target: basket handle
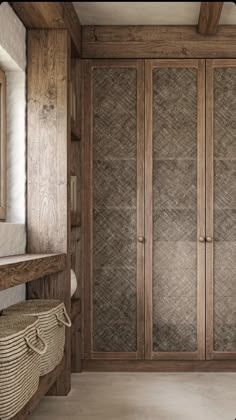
(66, 323)
(35, 349)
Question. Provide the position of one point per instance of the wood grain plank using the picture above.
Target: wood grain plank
(87, 206)
(75, 219)
(159, 366)
(48, 166)
(209, 208)
(157, 42)
(24, 268)
(43, 15)
(148, 209)
(209, 17)
(75, 308)
(140, 209)
(201, 202)
(76, 88)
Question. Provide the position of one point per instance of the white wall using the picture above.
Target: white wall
(13, 62)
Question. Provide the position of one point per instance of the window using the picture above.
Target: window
(2, 145)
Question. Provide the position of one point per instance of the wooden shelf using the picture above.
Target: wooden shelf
(75, 308)
(20, 269)
(45, 384)
(75, 134)
(75, 219)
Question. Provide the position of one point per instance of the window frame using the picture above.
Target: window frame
(3, 146)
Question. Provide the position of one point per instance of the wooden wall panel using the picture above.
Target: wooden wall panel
(157, 42)
(48, 165)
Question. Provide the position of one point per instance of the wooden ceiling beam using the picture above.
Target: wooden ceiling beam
(209, 17)
(157, 42)
(53, 15)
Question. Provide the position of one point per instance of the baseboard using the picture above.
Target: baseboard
(158, 366)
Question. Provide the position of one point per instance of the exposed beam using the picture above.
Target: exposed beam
(209, 17)
(157, 42)
(54, 15)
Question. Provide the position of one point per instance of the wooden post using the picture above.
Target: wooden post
(48, 166)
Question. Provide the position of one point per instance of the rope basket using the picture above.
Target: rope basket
(21, 347)
(53, 319)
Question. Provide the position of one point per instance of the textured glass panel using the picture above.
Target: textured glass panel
(225, 209)
(174, 210)
(114, 210)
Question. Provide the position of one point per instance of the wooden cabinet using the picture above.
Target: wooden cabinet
(114, 209)
(158, 236)
(175, 209)
(221, 209)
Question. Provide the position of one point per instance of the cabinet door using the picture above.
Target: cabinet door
(175, 209)
(221, 209)
(114, 209)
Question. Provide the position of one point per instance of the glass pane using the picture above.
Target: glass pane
(114, 210)
(225, 209)
(175, 210)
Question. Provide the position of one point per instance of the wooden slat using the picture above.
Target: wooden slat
(87, 213)
(75, 134)
(24, 268)
(209, 207)
(140, 208)
(159, 366)
(148, 209)
(42, 15)
(75, 219)
(45, 384)
(76, 261)
(201, 219)
(75, 308)
(157, 42)
(209, 16)
(76, 89)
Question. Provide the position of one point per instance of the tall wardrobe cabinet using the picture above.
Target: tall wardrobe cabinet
(159, 217)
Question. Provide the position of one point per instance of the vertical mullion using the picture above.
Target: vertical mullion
(209, 207)
(88, 207)
(148, 209)
(201, 247)
(140, 208)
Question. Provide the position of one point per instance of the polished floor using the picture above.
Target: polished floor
(144, 396)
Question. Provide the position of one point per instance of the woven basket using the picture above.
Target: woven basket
(21, 346)
(53, 319)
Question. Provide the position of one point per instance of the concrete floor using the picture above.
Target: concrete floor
(144, 396)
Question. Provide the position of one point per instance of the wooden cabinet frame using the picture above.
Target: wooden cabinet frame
(87, 216)
(200, 354)
(3, 145)
(205, 206)
(210, 66)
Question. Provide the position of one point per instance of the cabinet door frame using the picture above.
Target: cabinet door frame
(88, 67)
(149, 66)
(211, 354)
